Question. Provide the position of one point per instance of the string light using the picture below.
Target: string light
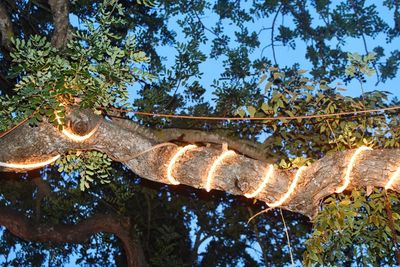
(171, 164)
(215, 165)
(29, 166)
(278, 118)
(78, 138)
(392, 179)
(347, 177)
(292, 187)
(263, 183)
(75, 137)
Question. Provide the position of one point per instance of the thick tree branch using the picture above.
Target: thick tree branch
(22, 227)
(6, 29)
(237, 175)
(59, 10)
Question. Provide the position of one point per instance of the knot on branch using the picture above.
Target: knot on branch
(82, 122)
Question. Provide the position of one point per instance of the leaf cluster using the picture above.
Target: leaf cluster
(353, 228)
(91, 165)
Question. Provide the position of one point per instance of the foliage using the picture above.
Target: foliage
(93, 71)
(354, 228)
(91, 165)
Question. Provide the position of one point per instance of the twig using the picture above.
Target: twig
(272, 33)
(18, 125)
(287, 236)
(388, 207)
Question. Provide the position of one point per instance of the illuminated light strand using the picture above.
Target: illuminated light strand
(291, 189)
(172, 162)
(392, 179)
(29, 166)
(347, 177)
(263, 183)
(79, 138)
(215, 165)
(75, 137)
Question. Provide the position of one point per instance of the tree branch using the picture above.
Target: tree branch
(248, 148)
(21, 226)
(272, 33)
(6, 29)
(59, 10)
(238, 175)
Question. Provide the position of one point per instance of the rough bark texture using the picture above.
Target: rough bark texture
(59, 10)
(22, 227)
(6, 29)
(238, 175)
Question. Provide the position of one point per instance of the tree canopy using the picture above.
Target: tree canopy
(132, 105)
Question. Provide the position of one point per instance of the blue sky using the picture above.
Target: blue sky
(286, 56)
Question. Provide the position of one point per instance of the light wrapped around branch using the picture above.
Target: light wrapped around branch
(215, 165)
(393, 179)
(29, 166)
(262, 185)
(74, 137)
(347, 177)
(173, 160)
(291, 189)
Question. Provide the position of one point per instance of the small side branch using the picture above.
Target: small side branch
(248, 148)
(272, 33)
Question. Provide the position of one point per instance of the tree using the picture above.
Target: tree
(65, 99)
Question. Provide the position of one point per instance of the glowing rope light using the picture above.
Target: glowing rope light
(215, 165)
(78, 138)
(263, 183)
(392, 179)
(347, 177)
(171, 164)
(75, 137)
(29, 166)
(290, 190)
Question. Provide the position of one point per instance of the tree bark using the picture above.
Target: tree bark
(22, 227)
(237, 175)
(60, 13)
(6, 28)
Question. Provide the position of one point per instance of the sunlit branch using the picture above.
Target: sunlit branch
(347, 177)
(29, 166)
(292, 187)
(392, 179)
(172, 162)
(215, 165)
(262, 185)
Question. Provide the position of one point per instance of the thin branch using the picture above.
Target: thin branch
(17, 125)
(391, 224)
(272, 33)
(260, 243)
(204, 26)
(287, 237)
(365, 42)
